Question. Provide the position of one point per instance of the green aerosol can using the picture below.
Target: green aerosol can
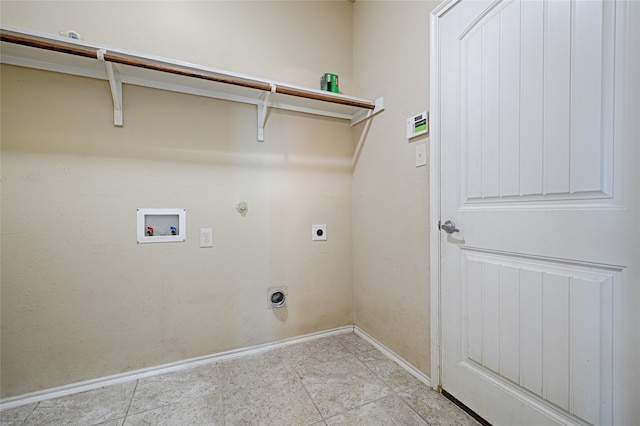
(329, 82)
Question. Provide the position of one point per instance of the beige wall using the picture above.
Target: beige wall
(391, 195)
(289, 41)
(79, 298)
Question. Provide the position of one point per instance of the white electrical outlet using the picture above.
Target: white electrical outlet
(319, 232)
(206, 237)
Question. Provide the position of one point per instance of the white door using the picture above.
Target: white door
(536, 117)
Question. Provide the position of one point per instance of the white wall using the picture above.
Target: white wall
(80, 299)
(390, 195)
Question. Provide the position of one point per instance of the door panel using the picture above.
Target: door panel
(540, 326)
(539, 286)
(537, 74)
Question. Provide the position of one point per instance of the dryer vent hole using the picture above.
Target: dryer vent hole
(277, 298)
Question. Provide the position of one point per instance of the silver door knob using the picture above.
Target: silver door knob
(449, 227)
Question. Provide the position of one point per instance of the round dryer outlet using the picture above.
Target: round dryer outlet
(276, 297)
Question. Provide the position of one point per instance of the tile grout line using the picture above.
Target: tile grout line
(349, 354)
(356, 357)
(410, 407)
(30, 414)
(387, 383)
(221, 393)
(310, 398)
(133, 395)
(393, 391)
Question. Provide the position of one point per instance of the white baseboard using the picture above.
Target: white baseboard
(395, 357)
(73, 388)
(66, 390)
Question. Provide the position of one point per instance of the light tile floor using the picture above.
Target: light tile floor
(336, 380)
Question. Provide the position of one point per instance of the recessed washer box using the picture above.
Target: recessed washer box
(161, 226)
